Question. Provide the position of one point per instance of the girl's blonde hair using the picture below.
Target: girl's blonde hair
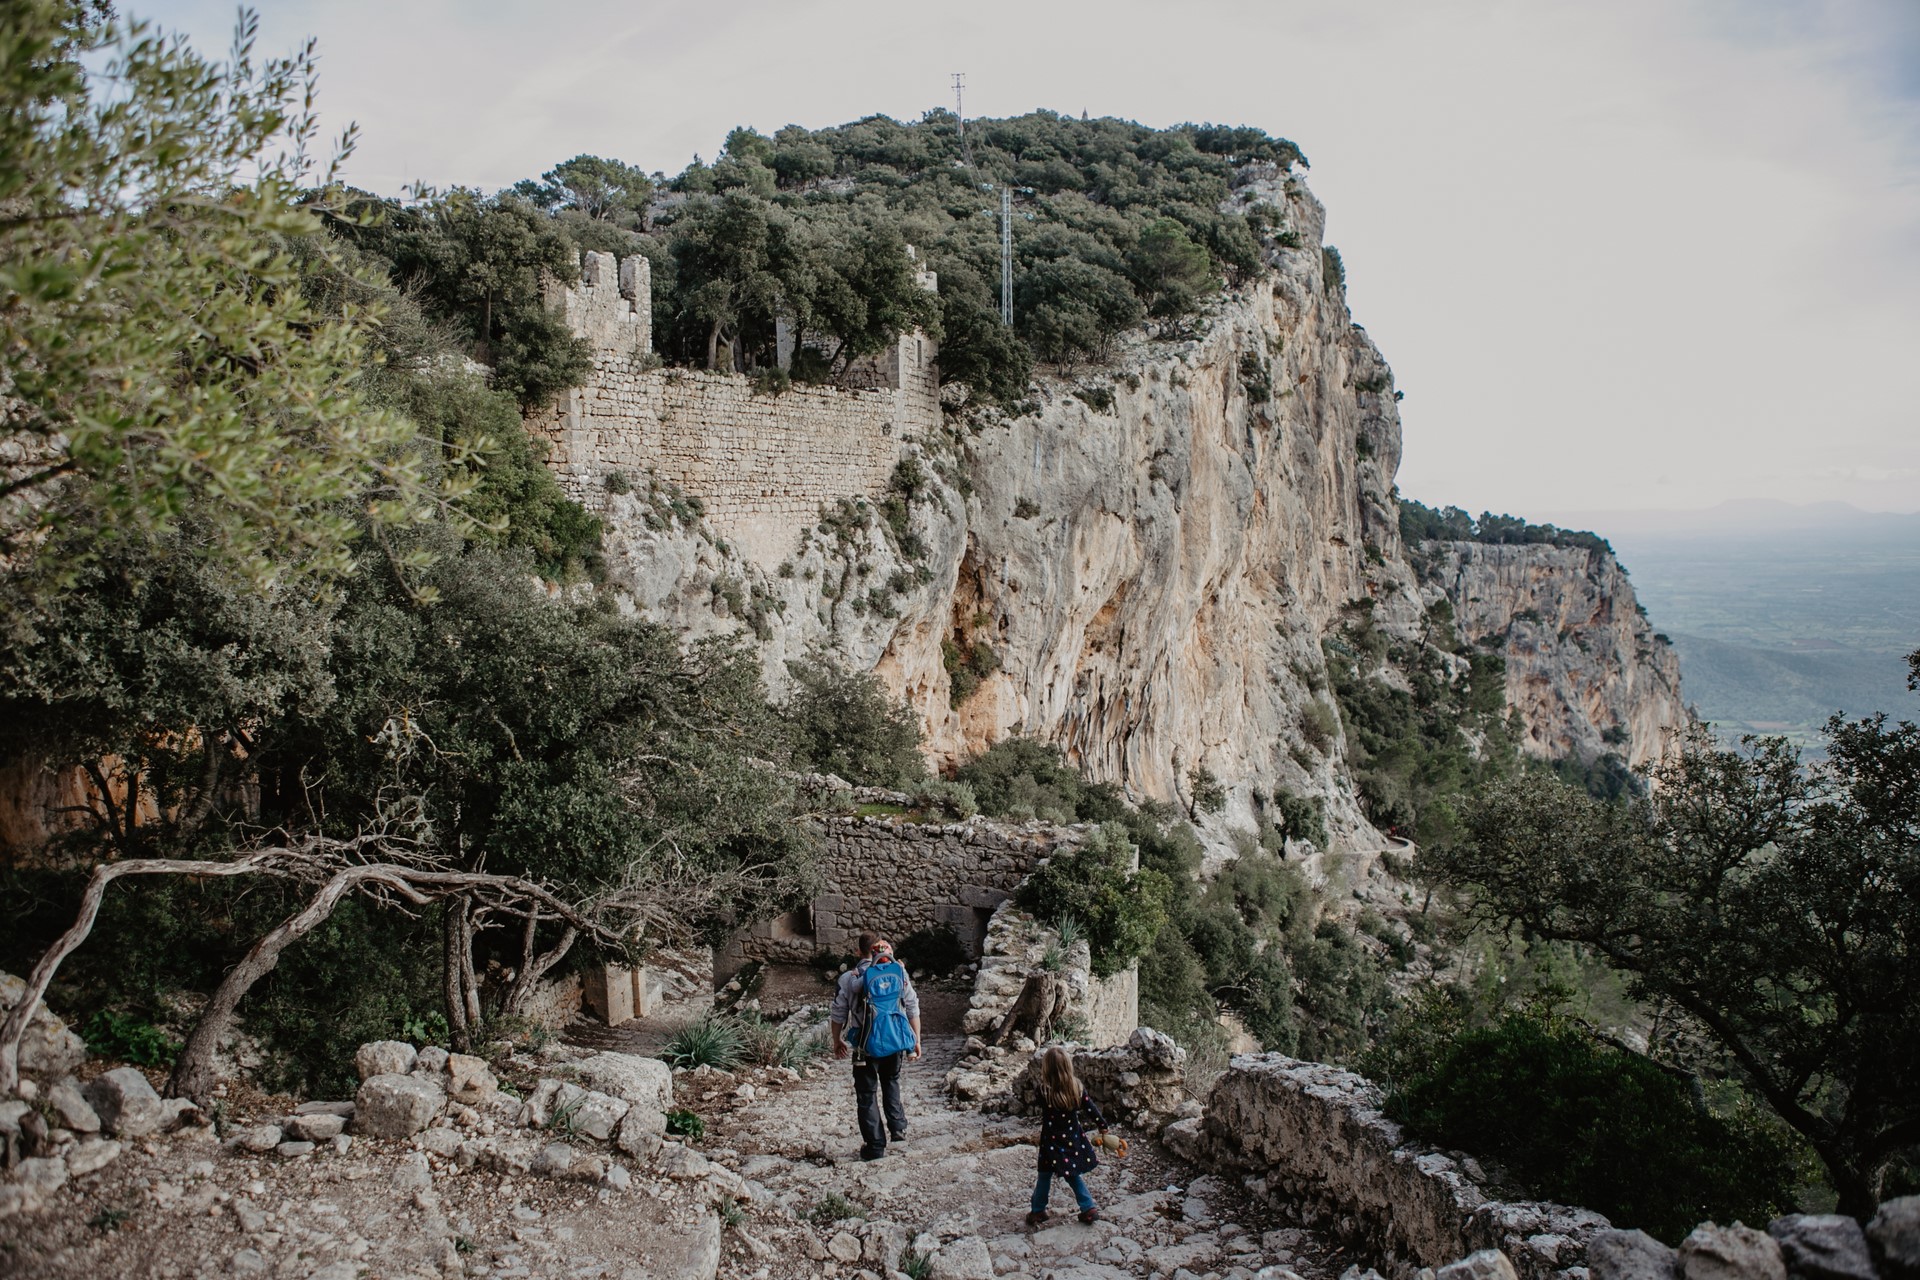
(1059, 1087)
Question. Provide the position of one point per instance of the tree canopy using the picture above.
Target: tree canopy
(161, 356)
(1774, 901)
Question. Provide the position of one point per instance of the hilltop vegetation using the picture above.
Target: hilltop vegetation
(1116, 223)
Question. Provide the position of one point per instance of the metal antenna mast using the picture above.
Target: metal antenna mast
(1006, 255)
(960, 114)
(1006, 202)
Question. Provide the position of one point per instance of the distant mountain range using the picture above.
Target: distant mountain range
(1782, 614)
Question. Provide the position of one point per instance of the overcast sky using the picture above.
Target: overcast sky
(1631, 254)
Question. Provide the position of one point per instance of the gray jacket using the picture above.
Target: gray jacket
(853, 984)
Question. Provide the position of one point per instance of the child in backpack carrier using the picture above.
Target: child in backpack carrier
(1064, 1149)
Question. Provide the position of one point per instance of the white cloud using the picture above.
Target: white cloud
(1599, 243)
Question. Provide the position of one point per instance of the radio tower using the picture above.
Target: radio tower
(1006, 256)
(960, 114)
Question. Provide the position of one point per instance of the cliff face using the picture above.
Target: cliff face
(1141, 565)
(1583, 667)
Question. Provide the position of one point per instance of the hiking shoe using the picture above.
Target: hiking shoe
(1037, 1217)
(872, 1153)
(1090, 1215)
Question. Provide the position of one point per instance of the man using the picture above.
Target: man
(876, 1081)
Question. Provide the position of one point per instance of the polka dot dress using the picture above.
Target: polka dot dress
(1063, 1142)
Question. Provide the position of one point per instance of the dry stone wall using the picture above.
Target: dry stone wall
(1312, 1138)
(895, 877)
(1100, 1011)
(763, 465)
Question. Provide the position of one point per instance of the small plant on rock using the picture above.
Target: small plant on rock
(710, 1042)
(686, 1124)
(834, 1207)
(915, 1265)
(731, 1214)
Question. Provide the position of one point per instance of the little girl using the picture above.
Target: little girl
(1064, 1148)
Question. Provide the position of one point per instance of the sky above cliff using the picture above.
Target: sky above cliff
(1645, 254)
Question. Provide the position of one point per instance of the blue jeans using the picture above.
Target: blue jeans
(1074, 1180)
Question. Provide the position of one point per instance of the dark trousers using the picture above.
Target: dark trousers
(876, 1087)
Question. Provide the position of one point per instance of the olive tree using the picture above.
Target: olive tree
(159, 352)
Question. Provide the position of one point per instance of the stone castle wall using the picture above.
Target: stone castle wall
(764, 465)
(897, 877)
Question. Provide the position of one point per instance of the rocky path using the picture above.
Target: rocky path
(955, 1193)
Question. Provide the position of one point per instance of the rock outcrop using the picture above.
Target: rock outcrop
(1140, 564)
(1585, 670)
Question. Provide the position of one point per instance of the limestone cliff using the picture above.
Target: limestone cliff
(1585, 670)
(1140, 564)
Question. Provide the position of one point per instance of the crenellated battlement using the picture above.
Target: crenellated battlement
(764, 465)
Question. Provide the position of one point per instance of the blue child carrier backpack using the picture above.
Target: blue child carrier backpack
(888, 1030)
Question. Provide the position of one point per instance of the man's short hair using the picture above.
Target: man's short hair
(866, 940)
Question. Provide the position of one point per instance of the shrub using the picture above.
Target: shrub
(129, 1039)
(936, 950)
(766, 1045)
(1319, 725)
(1586, 1124)
(686, 1124)
(834, 1207)
(937, 795)
(1302, 817)
(845, 723)
(714, 1041)
(968, 662)
(1121, 911)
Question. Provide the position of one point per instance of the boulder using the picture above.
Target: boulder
(1630, 1255)
(432, 1060)
(259, 1138)
(441, 1142)
(45, 1174)
(385, 1058)
(586, 1112)
(1823, 1246)
(49, 1047)
(72, 1108)
(845, 1247)
(293, 1150)
(964, 1259)
(413, 1173)
(1730, 1253)
(319, 1127)
(1894, 1234)
(641, 1132)
(90, 1155)
(1487, 1264)
(396, 1106)
(643, 1082)
(127, 1105)
(469, 1079)
(342, 1109)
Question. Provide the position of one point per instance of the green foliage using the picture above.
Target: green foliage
(764, 1044)
(834, 1207)
(686, 1124)
(600, 190)
(1114, 220)
(714, 1041)
(968, 662)
(1204, 792)
(480, 263)
(1420, 523)
(915, 1265)
(1771, 901)
(1023, 778)
(1122, 911)
(1302, 817)
(129, 1039)
(1169, 269)
(937, 796)
(1587, 1124)
(935, 950)
(845, 723)
(1256, 377)
(1333, 270)
(150, 200)
(1251, 941)
(1414, 750)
